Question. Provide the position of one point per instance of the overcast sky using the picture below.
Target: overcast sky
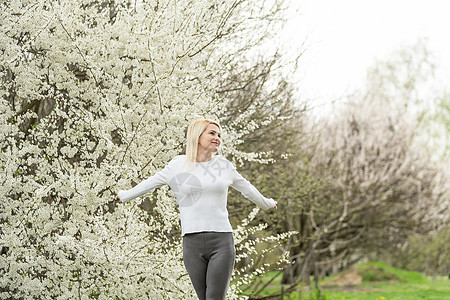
(345, 37)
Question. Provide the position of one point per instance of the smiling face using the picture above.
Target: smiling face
(210, 139)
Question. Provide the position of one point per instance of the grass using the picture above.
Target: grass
(431, 290)
(379, 282)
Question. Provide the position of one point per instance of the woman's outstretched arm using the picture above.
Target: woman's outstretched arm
(250, 192)
(147, 186)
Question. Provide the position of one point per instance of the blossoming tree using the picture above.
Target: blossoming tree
(96, 94)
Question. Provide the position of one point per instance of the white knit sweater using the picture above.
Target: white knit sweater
(201, 192)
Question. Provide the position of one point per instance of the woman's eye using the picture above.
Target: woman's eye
(213, 133)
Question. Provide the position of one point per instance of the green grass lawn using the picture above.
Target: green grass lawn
(432, 290)
(379, 282)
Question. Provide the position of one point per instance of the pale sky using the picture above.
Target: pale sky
(345, 37)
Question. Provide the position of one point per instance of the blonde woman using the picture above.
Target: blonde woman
(200, 181)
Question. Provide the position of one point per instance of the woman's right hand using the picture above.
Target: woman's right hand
(118, 199)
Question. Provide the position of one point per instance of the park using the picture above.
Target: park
(97, 95)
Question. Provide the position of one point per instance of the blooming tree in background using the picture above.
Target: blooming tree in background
(361, 180)
(96, 95)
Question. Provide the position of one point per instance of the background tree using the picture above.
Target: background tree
(357, 183)
(426, 253)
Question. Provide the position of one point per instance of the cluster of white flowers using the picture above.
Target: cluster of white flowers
(95, 95)
(247, 240)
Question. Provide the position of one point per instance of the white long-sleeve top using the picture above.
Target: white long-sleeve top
(201, 192)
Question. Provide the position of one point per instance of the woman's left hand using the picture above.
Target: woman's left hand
(276, 207)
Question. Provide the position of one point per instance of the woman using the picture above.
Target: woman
(200, 182)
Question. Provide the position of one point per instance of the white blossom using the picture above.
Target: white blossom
(92, 98)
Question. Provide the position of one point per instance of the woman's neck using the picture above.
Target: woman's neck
(203, 156)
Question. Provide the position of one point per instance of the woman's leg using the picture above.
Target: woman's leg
(209, 259)
(220, 266)
(195, 263)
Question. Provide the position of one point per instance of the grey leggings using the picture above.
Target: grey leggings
(209, 260)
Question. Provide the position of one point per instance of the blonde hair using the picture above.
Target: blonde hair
(194, 132)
